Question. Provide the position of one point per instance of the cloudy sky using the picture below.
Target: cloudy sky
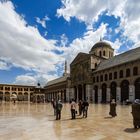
(37, 36)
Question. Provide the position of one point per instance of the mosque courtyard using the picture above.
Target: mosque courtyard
(24, 121)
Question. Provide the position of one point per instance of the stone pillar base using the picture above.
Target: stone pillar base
(131, 93)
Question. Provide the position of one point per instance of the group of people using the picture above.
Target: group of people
(135, 111)
(83, 108)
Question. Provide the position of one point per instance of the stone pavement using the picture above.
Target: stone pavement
(24, 121)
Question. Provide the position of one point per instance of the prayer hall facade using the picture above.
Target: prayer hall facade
(99, 76)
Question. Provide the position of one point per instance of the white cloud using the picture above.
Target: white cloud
(131, 20)
(89, 11)
(83, 44)
(24, 79)
(4, 66)
(81, 9)
(42, 21)
(22, 45)
(116, 46)
(34, 79)
(64, 40)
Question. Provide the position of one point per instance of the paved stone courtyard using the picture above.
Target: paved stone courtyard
(24, 121)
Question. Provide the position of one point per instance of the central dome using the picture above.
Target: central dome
(101, 44)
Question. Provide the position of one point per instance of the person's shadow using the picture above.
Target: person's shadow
(109, 117)
(130, 130)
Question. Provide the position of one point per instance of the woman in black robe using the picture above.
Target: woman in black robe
(113, 108)
(136, 113)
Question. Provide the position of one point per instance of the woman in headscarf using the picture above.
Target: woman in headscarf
(136, 113)
(113, 108)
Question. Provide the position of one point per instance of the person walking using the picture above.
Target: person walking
(136, 113)
(59, 106)
(113, 108)
(85, 108)
(80, 107)
(53, 102)
(73, 109)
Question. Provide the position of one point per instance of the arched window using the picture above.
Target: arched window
(104, 53)
(115, 75)
(7, 88)
(135, 71)
(110, 76)
(101, 78)
(127, 72)
(121, 73)
(100, 53)
(106, 77)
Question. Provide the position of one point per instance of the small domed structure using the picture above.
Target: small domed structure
(102, 49)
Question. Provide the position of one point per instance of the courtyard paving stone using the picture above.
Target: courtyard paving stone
(24, 121)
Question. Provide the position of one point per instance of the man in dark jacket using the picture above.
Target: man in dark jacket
(85, 105)
(58, 110)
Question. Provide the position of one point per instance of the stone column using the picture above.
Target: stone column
(88, 92)
(131, 93)
(67, 94)
(108, 95)
(93, 96)
(28, 97)
(63, 92)
(10, 92)
(77, 95)
(3, 94)
(118, 98)
(71, 93)
(99, 96)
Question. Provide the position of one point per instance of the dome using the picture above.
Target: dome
(101, 44)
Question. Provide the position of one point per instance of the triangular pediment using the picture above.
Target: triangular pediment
(79, 57)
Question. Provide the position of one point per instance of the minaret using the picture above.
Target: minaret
(65, 71)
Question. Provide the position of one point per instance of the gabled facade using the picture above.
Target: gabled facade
(82, 67)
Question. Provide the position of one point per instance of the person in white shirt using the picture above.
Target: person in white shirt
(73, 109)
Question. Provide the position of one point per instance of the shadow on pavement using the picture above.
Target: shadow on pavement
(65, 119)
(130, 130)
(109, 117)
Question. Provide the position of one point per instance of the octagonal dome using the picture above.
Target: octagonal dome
(101, 44)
